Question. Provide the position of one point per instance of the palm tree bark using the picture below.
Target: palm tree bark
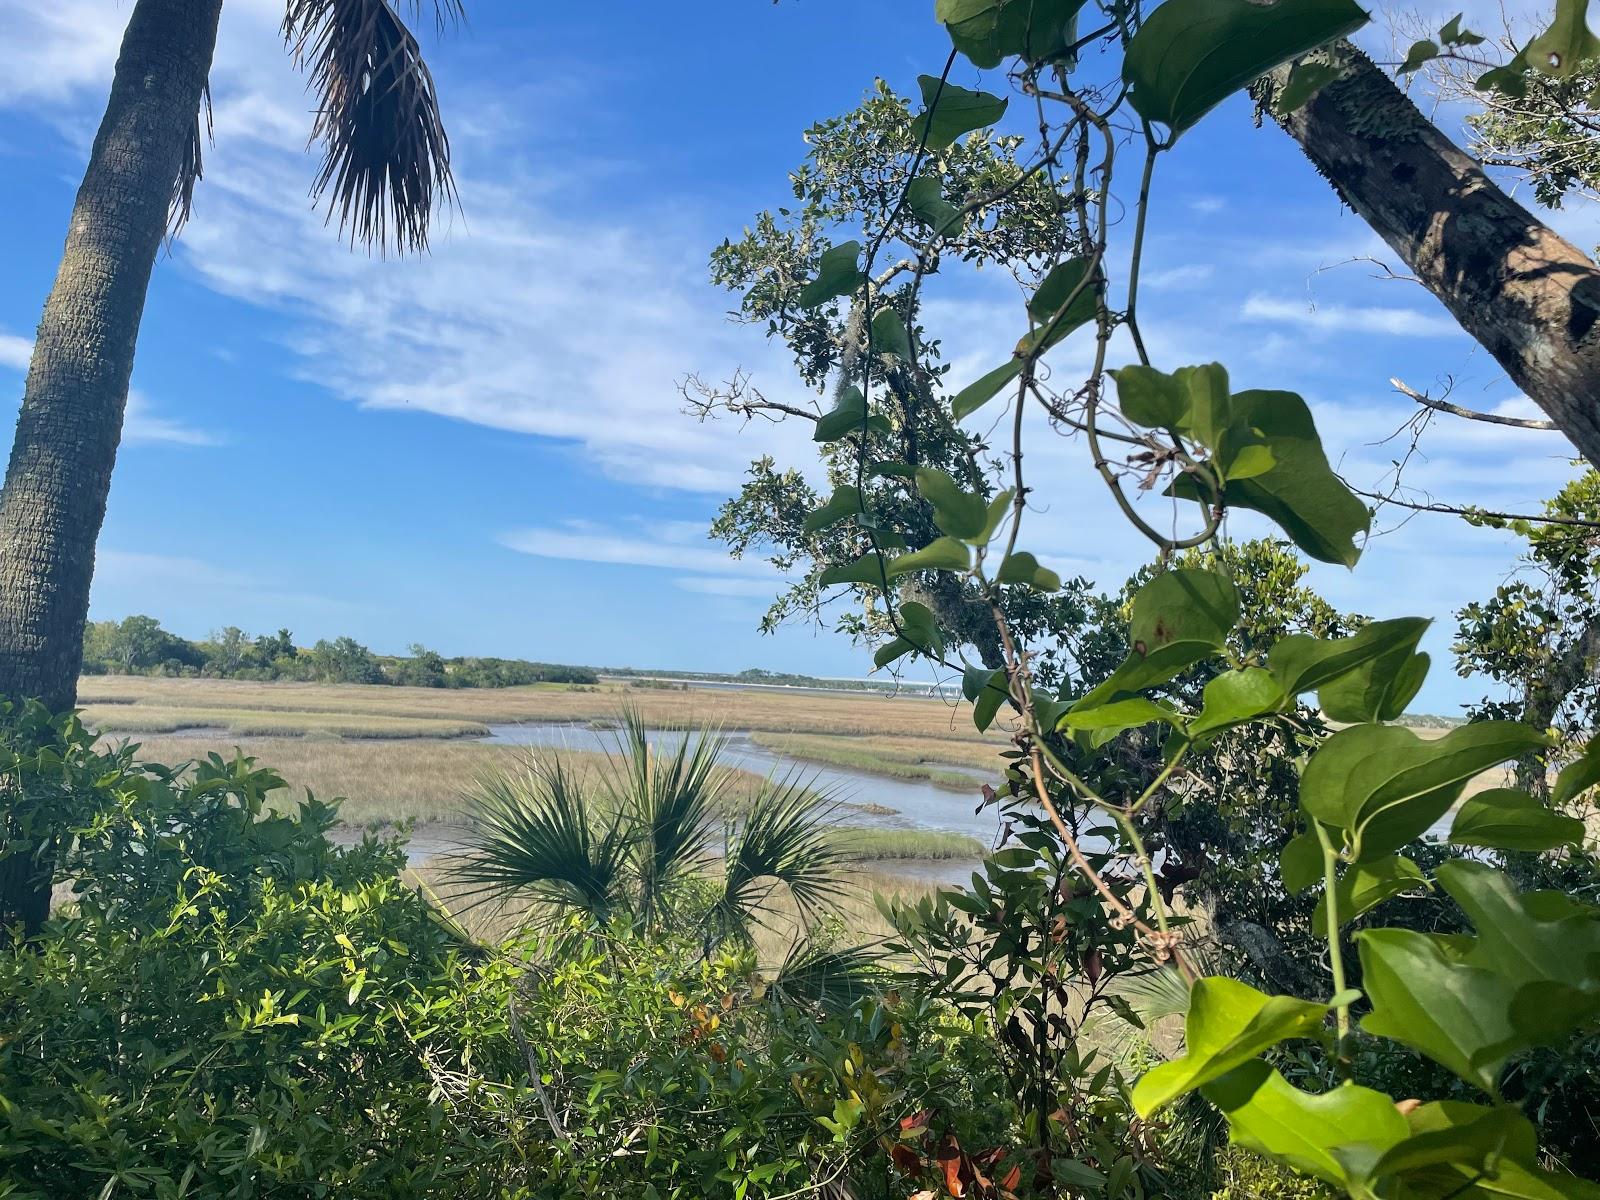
(1528, 296)
(54, 498)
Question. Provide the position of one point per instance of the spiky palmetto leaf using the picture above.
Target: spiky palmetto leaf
(671, 799)
(386, 156)
(832, 979)
(531, 835)
(782, 842)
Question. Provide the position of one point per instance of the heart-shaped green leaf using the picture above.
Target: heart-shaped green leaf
(1022, 567)
(1305, 81)
(959, 513)
(1333, 1136)
(950, 111)
(889, 335)
(1579, 776)
(1228, 1024)
(1300, 492)
(928, 204)
(941, 554)
(1509, 819)
(1301, 865)
(837, 275)
(1538, 942)
(1065, 301)
(1303, 663)
(1425, 996)
(868, 569)
(1234, 697)
(1190, 55)
(1567, 44)
(987, 690)
(848, 416)
(1179, 618)
(1386, 786)
(978, 393)
(1366, 885)
(990, 31)
(845, 502)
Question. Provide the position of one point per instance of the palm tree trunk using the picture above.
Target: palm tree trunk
(54, 498)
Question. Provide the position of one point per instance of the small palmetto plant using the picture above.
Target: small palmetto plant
(634, 845)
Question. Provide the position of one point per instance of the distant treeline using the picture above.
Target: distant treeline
(757, 675)
(139, 646)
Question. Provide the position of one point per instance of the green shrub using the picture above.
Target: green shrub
(1242, 1175)
(230, 1006)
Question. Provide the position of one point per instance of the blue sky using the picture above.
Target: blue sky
(483, 449)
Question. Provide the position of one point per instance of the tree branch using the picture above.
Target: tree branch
(1527, 295)
(1470, 414)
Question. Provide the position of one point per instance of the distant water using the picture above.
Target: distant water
(917, 804)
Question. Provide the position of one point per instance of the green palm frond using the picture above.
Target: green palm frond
(833, 979)
(671, 799)
(385, 153)
(782, 842)
(531, 835)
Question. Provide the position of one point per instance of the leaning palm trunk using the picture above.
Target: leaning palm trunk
(60, 472)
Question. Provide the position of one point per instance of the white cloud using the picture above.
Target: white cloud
(718, 585)
(142, 424)
(1174, 278)
(1207, 205)
(15, 351)
(536, 312)
(667, 545)
(1339, 318)
(54, 48)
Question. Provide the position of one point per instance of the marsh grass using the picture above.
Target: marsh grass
(843, 713)
(928, 845)
(141, 718)
(930, 759)
(382, 782)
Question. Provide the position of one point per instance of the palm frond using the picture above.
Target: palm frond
(192, 166)
(783, 842)
(386, 156)
(832, 979)
(531, 835)
(671, 799)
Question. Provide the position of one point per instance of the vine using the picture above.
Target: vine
(1530, 974)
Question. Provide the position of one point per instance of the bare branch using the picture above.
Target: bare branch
(1470, 511)
(737, 397)
(1470, 414)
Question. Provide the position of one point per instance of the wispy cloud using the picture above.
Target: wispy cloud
(1188, 275)
(719, 585)
(1339, 318)
(142, 424)
(15, 351)
(664, 545)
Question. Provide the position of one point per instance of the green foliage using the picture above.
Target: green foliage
(1190, 55)
(233, 1006)
(1180, 728)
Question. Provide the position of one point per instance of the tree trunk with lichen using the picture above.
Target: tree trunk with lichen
(54, 499)
(1528, 296)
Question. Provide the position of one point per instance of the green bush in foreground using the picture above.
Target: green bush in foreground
(230, 1006)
